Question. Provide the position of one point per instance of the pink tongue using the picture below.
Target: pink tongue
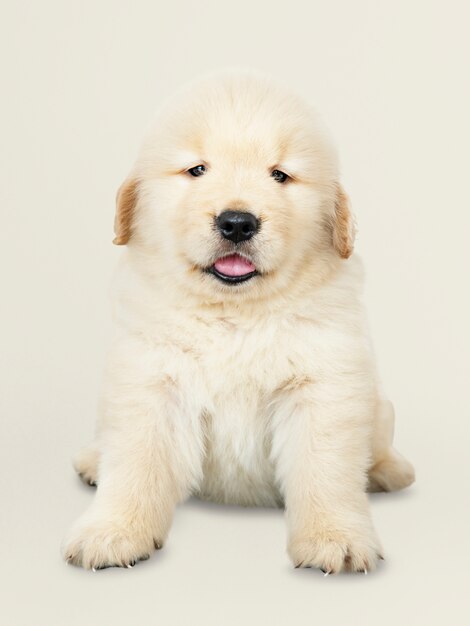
(234, 265)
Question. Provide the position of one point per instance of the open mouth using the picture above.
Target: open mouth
(233, 269)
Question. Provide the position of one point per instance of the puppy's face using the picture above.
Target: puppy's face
(235, 192)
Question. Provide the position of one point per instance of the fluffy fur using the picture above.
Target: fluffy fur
(258, 393)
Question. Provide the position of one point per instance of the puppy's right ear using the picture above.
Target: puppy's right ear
(126, 200)
(344, 228)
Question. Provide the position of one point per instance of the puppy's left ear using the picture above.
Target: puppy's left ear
(344, 228)
(126, 200)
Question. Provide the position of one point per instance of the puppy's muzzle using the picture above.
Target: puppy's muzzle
(237, 226)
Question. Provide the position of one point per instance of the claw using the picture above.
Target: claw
(93, 569)
(365, 572)
(326, 574)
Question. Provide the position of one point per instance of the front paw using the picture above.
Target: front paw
(100, 544)
(334, 551)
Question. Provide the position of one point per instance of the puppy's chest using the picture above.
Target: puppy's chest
(244, 366)
(242, 369)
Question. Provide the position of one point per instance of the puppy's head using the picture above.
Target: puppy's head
(235, 193)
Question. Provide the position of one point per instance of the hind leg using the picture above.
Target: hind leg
(390, 470)
(86, 464)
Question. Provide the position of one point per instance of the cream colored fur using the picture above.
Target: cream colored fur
(262, 393)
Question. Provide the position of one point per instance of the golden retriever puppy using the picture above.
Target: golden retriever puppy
(243, 371)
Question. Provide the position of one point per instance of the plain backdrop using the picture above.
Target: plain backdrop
(80, 82)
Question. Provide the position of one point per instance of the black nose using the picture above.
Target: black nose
(237, 225)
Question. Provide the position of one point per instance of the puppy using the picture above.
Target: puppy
(243, 371)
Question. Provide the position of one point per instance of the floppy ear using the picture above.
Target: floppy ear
(126, 200)
(344, 228)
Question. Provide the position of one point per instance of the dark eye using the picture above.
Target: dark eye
(199, 170)
(279, 176)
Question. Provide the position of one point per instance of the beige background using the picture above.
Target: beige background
(80, 81)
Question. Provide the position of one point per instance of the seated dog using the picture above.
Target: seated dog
(242, 371)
